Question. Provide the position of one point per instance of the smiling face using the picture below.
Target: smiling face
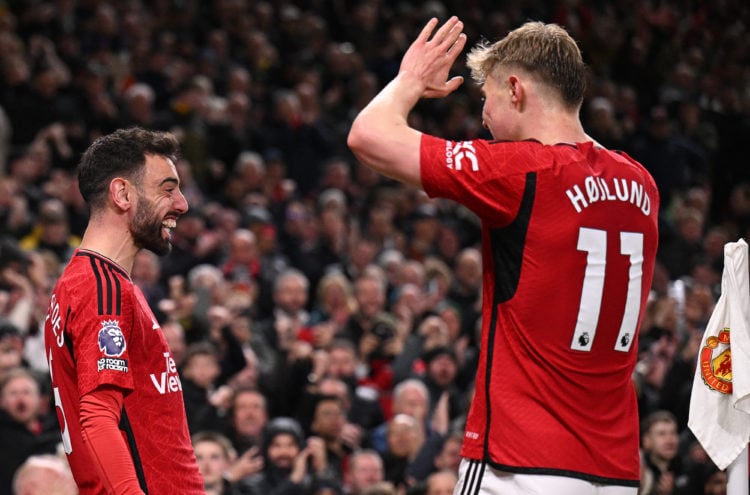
(160, 203)
(282, 450)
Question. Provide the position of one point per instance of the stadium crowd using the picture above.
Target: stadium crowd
(323, 317)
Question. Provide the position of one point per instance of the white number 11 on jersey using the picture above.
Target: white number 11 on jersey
(594, 242)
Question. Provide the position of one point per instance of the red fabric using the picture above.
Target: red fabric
(569, 236)
(101, 333)
(100, 416)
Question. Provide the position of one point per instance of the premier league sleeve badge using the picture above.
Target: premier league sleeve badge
(112, 345)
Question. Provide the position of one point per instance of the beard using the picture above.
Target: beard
(146, 229)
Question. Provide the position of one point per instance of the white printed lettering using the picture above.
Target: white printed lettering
(591, 189)
(577, 198)
(169, 380)
(53, 315)
(600, 189)
(621, 189)
(463, 151)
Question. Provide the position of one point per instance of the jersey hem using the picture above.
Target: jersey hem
(565, 473)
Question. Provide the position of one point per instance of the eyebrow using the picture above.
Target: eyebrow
(170, 180)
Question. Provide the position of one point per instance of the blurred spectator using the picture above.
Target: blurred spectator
(371, 328)
(335, 300)
(328, 423)
(450, 453)
(11, 349)
(680, 251)
(14, 207)
(292, 464)
(139, 109)
(22, 274)
(707, 479)
(342, 364)
(214, 455)
(230, 351)
(289, 316)
(194, 298)
(465, 291)
(425, 226)
(381, 488)
(248, 416)
(365, 470)
(441, 483)
(231, 136)
(203, 400)
(250, 375)
(304, 140)
(24, 429)
(673, 162)
(175, 336)
(431, 333)
(360, 254)
(603, 125)
(362, 411)
(659, 441)
(52, 231)
(192, 245)
(44, 474)
(412, 398)
(289, 361)
(441, 369)
(146, 274)
(404, 440)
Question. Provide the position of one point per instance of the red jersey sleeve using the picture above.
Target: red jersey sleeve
(100, 340)
(479, 174)
(109, 453)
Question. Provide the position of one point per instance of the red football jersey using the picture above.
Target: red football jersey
(569, 237)
(100, 331)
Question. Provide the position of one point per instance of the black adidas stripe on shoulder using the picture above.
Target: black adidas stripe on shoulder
(108, 287)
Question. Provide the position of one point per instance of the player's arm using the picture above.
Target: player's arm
(100, 419)
(380, 136)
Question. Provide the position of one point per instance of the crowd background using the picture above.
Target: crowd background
(307, 295)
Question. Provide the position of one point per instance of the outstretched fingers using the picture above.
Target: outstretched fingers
(448, 33)
(449, 43)
(424, 36)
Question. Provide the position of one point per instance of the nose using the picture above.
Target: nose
(180, 203)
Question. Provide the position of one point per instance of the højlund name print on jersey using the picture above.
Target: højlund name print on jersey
(595, 189)
(168, 380)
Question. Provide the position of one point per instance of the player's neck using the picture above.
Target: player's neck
(556, 128)
(107, 241)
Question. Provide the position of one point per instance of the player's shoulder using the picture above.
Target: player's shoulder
(91, 277)
(87, 264)
(529, 151)
(626, 162)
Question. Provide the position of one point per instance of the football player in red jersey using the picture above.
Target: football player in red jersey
(569, 237)
(117, 392)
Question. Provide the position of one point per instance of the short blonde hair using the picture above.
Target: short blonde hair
(545, 51)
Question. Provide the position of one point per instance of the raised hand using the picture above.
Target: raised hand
(429, 59)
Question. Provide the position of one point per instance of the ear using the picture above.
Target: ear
(517, 92)
(121, 193)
